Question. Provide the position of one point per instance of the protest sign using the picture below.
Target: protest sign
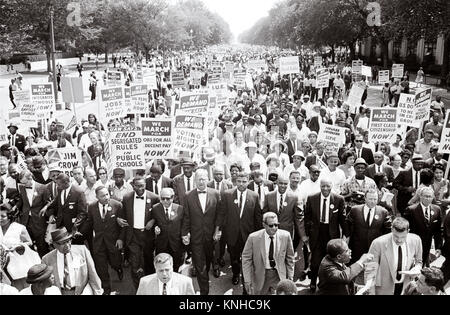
(397, 70)
(22, 97)
(150, 78)
(189, 132)
(332, 136)
(383, 125)
(139, 99)
(354, 98)
(239, 78)
(366, 71)
(178, 80)
(28, 116)
(72, 90)
(112, 103)
(127, 104)
(125, 149)
(322, 78)
(66, 158)
(214, 78)
(157, 137)
(114, 78)
(43, 99)
(444, 145)
(3, 131)
(318, 60)
(383, 76)
(406, 111)
(423, 103)
(195, 77)
(257, 64)
(357, 66)
(289, 65)
(193, 103)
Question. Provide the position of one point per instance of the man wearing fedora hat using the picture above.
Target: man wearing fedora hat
(15, 139)
(209, 155)
(42, 281)
(184, 183)
(73, 266)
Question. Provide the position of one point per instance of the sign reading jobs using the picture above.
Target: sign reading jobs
(43, 99)
(157, 136)
(126, 149)
(383, 125)
(112, 103)
(189, 132)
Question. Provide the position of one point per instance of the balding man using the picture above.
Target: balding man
(168, 218)
(425, 220)
(380, 167)
(324, 219)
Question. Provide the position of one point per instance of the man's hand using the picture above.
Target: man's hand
(438, 253)
(149, 225)
(77, 235)
(365, 258)
(43, 212)
(410, 189)
(249, 288)
(186, 239)
(346, 239)
(217, 236)
(305, 239)
(157, 230)
(119, 244)
(122, 222)
(52, 219)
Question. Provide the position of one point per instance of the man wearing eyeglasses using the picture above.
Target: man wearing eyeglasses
(361, 152)
(268, 257)
(168, 218)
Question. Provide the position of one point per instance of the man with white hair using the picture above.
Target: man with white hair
(324, 220)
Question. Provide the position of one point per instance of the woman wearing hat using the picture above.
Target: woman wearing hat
(440, 185)
(14, 238)
(42, 281)
(278, 148)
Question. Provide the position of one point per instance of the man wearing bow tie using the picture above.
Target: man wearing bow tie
(168, 217)
(33, 197)
(425, 220)
(366, 223)
(102, 220)
(324, 219)
(137, 232)
(201, 226)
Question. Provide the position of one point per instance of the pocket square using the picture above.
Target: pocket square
(336, 211)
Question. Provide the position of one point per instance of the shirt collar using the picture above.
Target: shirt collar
(168, 285)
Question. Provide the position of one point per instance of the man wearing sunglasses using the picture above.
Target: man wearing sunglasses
(361, 152)
(168, 217)
(268, 257)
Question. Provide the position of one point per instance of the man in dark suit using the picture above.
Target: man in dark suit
(361, 152)
(38, 169)
(33, 197)
(285, 205)
(378, 167)
(201, 226)
(260, 186)
(221, 185)
(53, 172)
(242, 216)
(425, 220)
(324, 219)
(168, 218)
(139, 234)
(156, 182)
(407, 182)
(102, 220)
(69, 207)
(334, 276)
(15, 139)
(318, 158)
(292, 145)
(184, 183)
(366, 223)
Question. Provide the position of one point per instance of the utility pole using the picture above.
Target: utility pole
(53, 52)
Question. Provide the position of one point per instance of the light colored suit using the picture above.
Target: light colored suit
(383, 252)
(254, 258)
(86, 281)
(180, 284)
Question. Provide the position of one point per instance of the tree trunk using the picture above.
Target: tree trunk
(49, 57)
(352, 51)
(106, 53)
(446, 61)
(333, 54)
(385, 54)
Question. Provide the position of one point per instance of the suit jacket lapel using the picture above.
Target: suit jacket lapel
(262, 243)
(278, 246)
(197, 200)
(23, 192)
(131, 214)
(389, 252)
(148, 207)
(54, 262)
(236, 206)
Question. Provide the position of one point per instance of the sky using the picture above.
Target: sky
(240, 14)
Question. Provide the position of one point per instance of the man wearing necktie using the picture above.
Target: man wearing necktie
(69, 208)
(425, 220)
(165, 281)
(407, 182)
(243, 216)
(102, 220)
(168, 218)
(202, 221)
(137, 229)
(398, 256)
(380, 167)
(156, 182)
(366, 223)
(324, 220)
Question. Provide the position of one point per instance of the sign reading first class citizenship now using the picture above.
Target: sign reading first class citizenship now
(383, 125)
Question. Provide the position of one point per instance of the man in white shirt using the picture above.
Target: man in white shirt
(336, 175)
(297, 165)
(311, 185)
(165, 281)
